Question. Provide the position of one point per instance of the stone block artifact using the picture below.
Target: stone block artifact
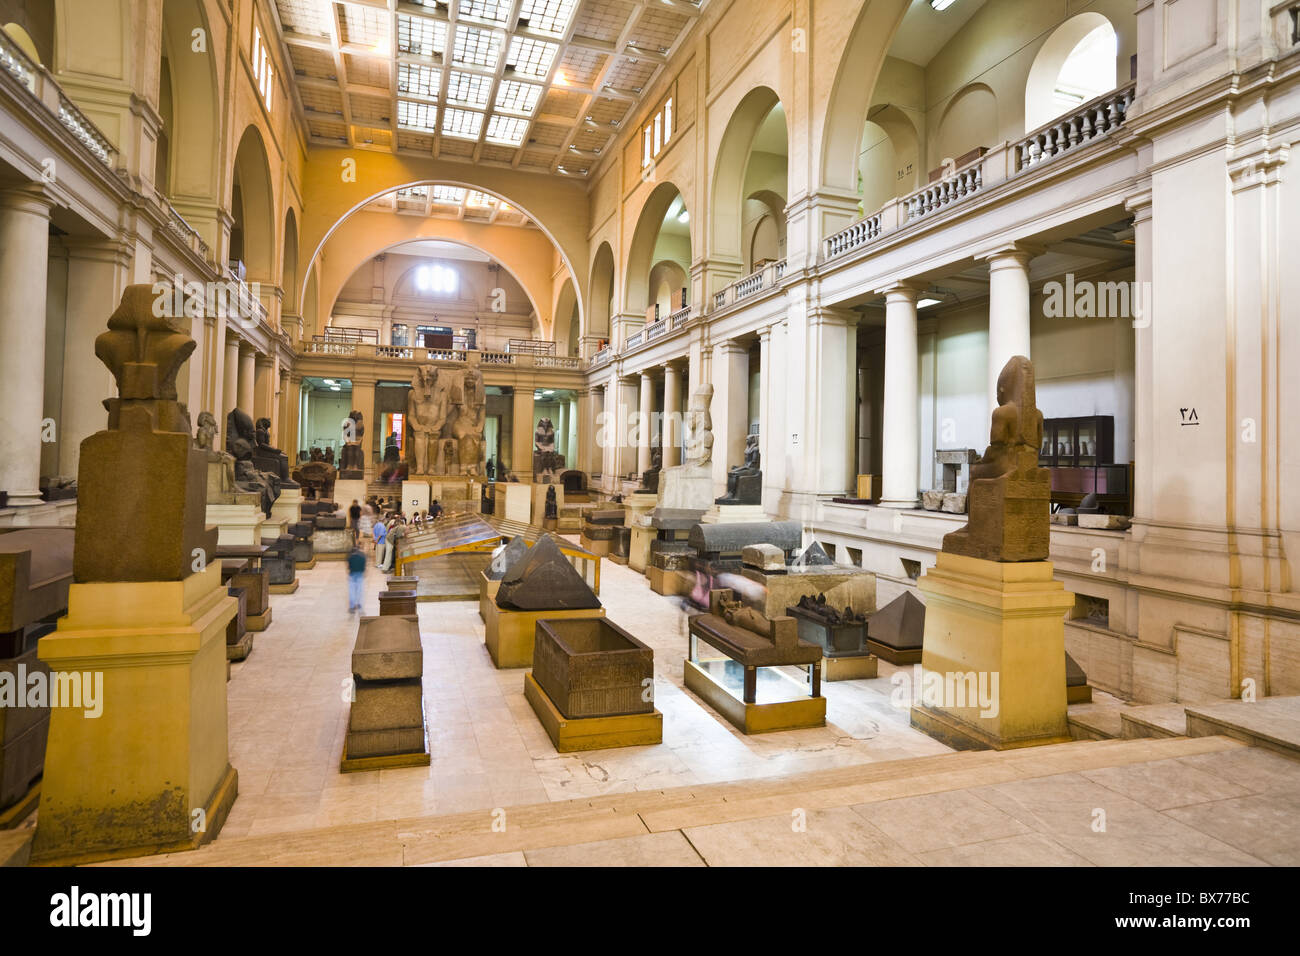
(1009, 494)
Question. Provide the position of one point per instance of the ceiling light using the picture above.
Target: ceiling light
(928, 301)
(335, 388)
(328, 381)
(942, 4)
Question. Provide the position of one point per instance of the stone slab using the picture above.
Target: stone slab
(388, 648)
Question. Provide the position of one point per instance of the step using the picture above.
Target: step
(1270, 722)
(635, 813)
(1094, 724)
(16, 846)
(1154, 720)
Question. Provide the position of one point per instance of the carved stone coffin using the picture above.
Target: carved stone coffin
(836, 640)
(279, 560)
(401, 603)
(387, 713)
(592, 668)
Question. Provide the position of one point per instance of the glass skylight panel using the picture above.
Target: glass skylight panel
(416, 79)
(449, 195)
(532, 57)
(462, 123)
(487, 10)
(515, 97)
(508, 130)
(413, 192)
(469, 88)
(480, 200)
(421, 116)
(475, 47)
(420, 36)
(548, 16)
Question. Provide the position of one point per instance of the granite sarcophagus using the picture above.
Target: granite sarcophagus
(592, 668)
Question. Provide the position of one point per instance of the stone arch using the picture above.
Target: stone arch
(969, 121)
(852, 91)
(343, 181)
(1040, 87)
(646, 249)
(564, 330)
(889, 142)
(193, 133)
(731, 168)
(600, 295)
(357, 242)
(39, 51)
(667, 279)
(289, 264)
(252, 203)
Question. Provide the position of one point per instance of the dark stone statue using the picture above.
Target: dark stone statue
(552, 508)
(241, 443)
(268, 458)
(352, 459)
(650, 477)
(827, 613)
(1010, 495)
(745, 481)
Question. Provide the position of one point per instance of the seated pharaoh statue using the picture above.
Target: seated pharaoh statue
(650, 477)
(352, 460)
(1009, 493)
(266, 457)
(745, 481)
(241, 442)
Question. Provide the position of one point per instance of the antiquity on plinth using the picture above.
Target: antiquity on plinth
(993, 660)
(145, 769)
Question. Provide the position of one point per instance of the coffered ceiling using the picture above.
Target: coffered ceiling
(536, 85)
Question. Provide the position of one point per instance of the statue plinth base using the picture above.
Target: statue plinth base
(993, 662)
(686, 488)
(288, 507)
(241, 525)
(151, 773)
(734, 514)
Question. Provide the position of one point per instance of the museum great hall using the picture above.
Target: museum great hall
(649, 432)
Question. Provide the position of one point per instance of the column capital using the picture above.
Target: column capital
(825, 315)
(1007, 253)
(31, 198)
(246, 348)
(1139, 205)
(730, 347)
(903, 290)
(765, 333)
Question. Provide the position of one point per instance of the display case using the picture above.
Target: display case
(1112, 484)
(1078, 442)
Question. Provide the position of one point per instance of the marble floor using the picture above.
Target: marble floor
(864, 790)
(288, 718)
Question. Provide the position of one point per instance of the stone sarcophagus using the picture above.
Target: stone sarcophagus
(592, 668)
(397, 602)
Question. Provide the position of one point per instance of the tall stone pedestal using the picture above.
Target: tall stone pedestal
(686, 487)
(151, 772)
(518, 504)
(288, 507)
(734, 514)
(238, 524)
(994, 630)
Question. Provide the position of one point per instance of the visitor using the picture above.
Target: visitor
(381, 537)
(354, 520)
(437, 509)
(356, 575)
(395, 535)
(366, 527)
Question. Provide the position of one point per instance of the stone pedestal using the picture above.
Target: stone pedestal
(416, 496)
(734, 514)
(288, 507)
(518, 501)
(242, 525)
(638, 551)
(159, 648)
(686, 488)
(996, 630)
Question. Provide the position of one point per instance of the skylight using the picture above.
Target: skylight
(548, 16)
(515, 97)
(508, 130)
(421, 116)
(420, 36)
(461, 123)
(475, 47)
(532, 57)
(417, 80)
(469, 88)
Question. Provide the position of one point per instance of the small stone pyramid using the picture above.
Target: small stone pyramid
(545, 581)
(506, 558)
(898, 629)
(814, 556)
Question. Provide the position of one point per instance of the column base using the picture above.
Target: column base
(903, 504)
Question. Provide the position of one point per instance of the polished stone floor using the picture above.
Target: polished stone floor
(864, 790)
(288, 717)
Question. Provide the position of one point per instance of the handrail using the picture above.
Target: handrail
(1097, 117)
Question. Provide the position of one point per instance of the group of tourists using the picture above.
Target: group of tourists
(380, 524)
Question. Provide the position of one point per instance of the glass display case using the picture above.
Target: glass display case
(1078, 442)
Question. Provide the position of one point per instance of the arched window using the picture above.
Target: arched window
(437, 278)
(1074, 65)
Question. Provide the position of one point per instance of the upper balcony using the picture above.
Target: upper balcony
(1089, 127)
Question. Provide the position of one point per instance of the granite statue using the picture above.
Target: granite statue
(650, 477)
(241, 443)
(547, 462)
(468, 425)
(352, 459)
(745, 481)
(552, 507)
(1009, 495)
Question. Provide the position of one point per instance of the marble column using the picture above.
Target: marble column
(900, 460)
(730, 408)
(97, 275)
(1008, 311)
(262, 386)
(765, 398)
(586, 438)
(523, 424)
(645, 423)
(25, 239)
(363, 400)
(672, 432)
(284, 421)
(230, 387)
(573, 430)
(244, 387)
(627, 449)
(828, 446)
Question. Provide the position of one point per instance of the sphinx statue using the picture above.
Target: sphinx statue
(1009, 494)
